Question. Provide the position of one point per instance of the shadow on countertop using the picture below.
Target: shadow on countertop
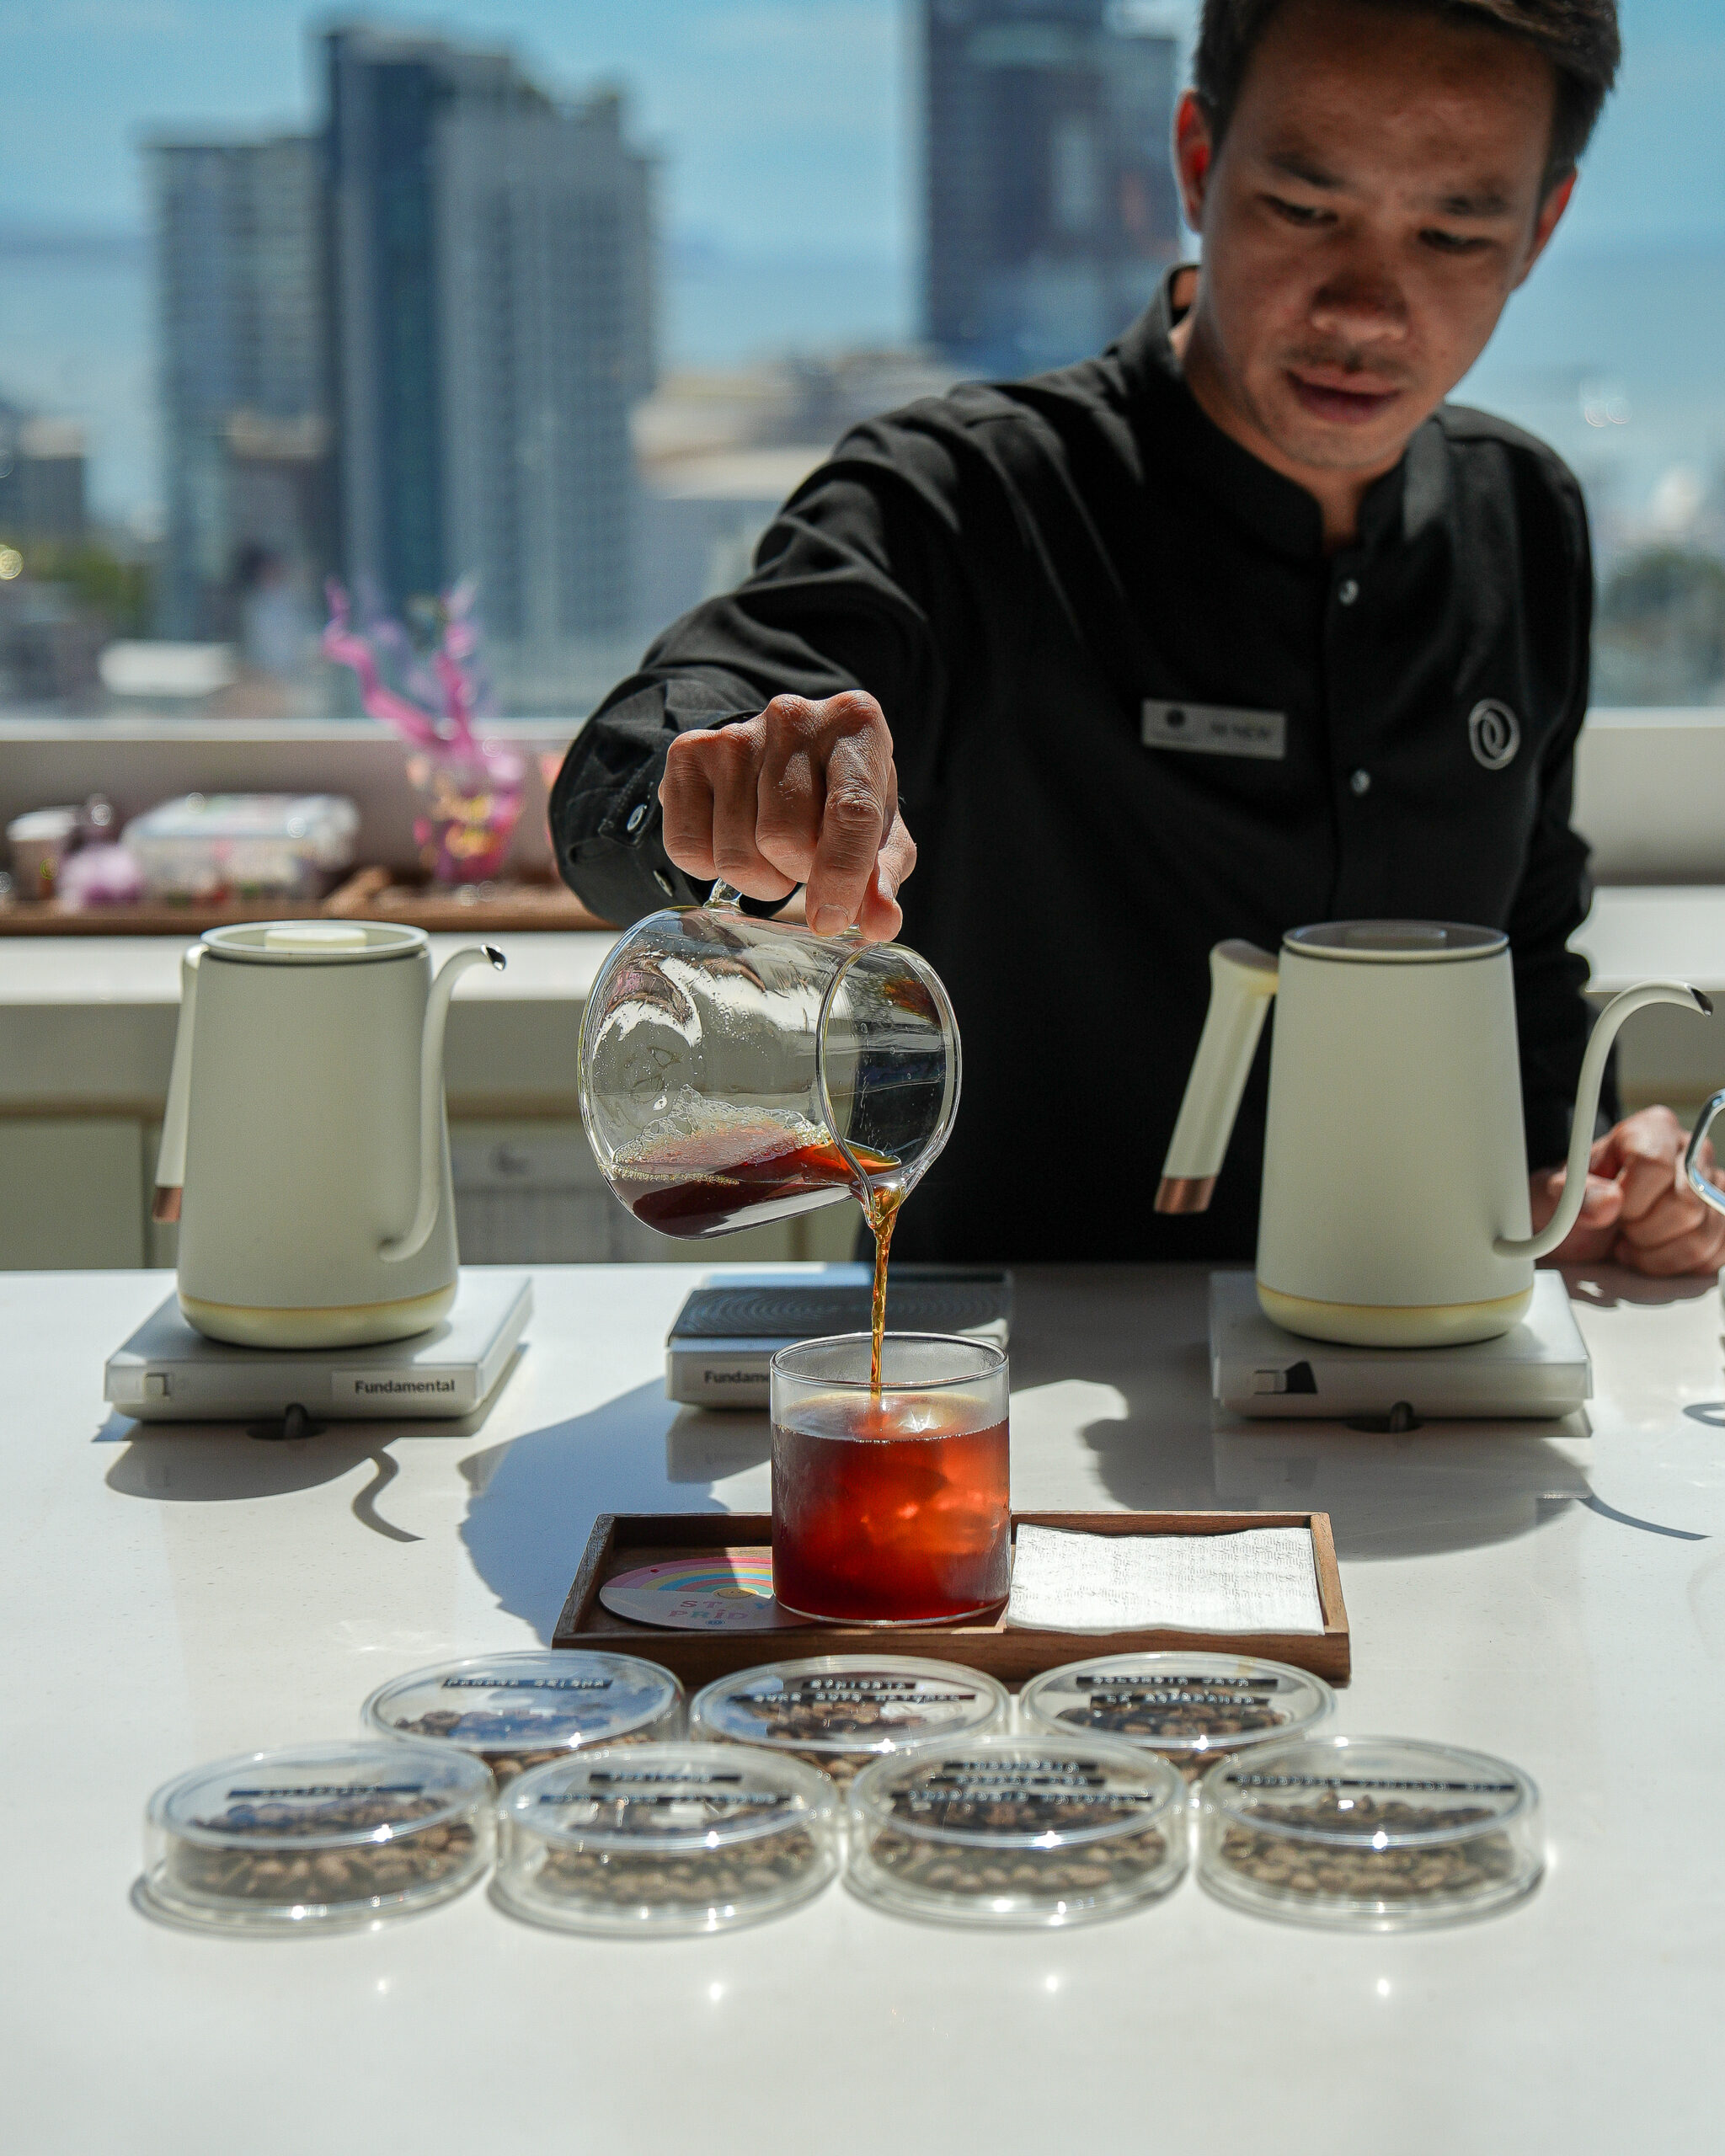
(1158, 1445)
(218, 1463)
(535, 1499)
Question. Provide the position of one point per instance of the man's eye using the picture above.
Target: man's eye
(1443, 242)
(1300, 213)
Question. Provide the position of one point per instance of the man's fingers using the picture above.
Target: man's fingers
(1648, 1180)
(733, 760)
(1700, 1250)
(791, 785)
(880, 918)
(806, 793)
(855, 817)
(1677, 1213)
(685, 796)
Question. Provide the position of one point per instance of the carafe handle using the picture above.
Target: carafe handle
(1708, 1192)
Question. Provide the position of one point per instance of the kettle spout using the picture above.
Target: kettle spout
(398, 1247)
(1586, 1108)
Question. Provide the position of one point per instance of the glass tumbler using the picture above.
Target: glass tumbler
(735, 1071)
(890, 1508)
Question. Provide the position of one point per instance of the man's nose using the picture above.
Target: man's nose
(1360, 305)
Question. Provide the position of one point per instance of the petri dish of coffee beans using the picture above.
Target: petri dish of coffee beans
(1029, 1829)
(331, 1837)
(658, 1840)
(520, 1710)
(840, 1711)
(1190, 1708)
(1374, 1834)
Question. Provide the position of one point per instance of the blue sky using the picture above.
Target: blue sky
(785, 127)
(784, 122)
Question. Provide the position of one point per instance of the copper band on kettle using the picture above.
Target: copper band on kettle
(1184, 1193)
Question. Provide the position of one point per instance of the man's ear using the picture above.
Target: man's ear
(1551, 210)
(1194, 155)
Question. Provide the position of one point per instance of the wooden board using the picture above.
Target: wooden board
(620, 1541)
(503, 908)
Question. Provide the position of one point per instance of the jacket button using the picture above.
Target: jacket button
(1346, 591)
(637, 816)
(1361, 782)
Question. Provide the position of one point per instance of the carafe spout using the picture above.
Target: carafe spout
(1586, 1108)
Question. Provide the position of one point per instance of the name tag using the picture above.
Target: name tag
(1215, 730)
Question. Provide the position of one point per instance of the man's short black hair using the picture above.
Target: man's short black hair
(1579, 37)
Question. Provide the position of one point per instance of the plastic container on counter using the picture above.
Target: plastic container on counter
(325, 1837)
(1379, 1834)
(1190, 1708)
(522, 1710)
(215, 846)
(662, 1839)
(1024, 1830)
(840, 1711)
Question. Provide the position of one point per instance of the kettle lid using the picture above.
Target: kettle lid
(1405, 943)
(315, 942)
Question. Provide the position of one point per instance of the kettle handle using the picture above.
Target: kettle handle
(398, 1247)
(1587, 1102)
(1708, 1192)
(1242, 979)
(170, 1157)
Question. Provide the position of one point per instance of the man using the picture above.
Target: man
(1234, 628)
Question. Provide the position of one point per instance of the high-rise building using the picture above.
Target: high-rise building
(1050, 204)
(41, 478)
(491, 324)
(239, 238)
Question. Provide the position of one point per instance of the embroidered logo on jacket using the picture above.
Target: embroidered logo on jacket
(1493, 733)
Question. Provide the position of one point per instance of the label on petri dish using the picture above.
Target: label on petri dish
(722, 1591)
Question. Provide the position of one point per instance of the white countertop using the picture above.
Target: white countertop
(175, 1595)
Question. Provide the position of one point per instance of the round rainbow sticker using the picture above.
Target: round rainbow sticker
(721, 1591)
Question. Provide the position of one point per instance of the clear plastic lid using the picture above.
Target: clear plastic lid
(1376, 1833)
(839, 1711)
(665, 1838)
(521, 1710)
(332, 1835)
(1188, 1707)
(1025, 1829)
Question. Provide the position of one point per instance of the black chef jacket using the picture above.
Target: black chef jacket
(1040, 581)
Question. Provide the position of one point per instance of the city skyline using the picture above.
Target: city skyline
(790, 198)
(747, 96)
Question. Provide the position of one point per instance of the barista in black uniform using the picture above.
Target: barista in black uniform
(1236, 627)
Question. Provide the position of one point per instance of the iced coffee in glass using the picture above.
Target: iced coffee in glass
(890, 1508)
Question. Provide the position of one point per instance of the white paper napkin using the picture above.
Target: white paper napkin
(1259, 1579)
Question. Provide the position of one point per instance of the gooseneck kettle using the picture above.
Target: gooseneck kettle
(1395, 1198)
(305, 1151)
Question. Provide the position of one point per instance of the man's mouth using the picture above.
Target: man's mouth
(1325, 397)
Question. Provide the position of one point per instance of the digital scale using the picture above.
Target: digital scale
(1538, 1370)
(719, 1351)
(168, 1373)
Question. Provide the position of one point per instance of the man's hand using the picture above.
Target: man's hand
(1639, 1210)
(806, 793)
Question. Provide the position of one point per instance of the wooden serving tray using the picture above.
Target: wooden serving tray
(620, 1541)
(506, 907)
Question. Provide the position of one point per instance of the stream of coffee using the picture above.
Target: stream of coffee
(702, 1172)
(880, 1211)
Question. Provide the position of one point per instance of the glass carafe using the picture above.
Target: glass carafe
(735, 1070)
